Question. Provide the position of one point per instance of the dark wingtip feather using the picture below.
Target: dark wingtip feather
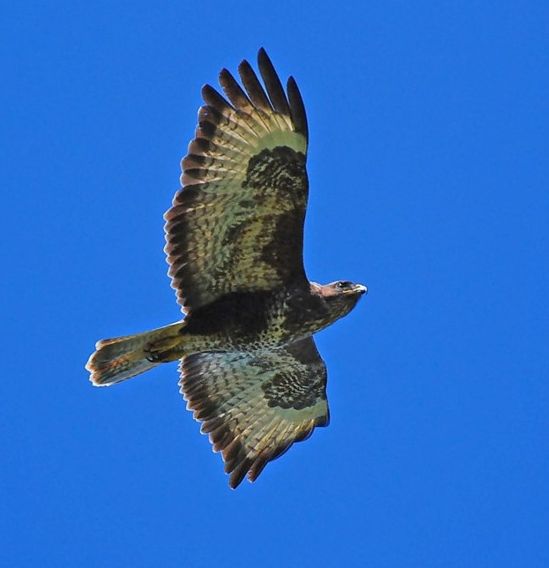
(233, 90)
(272, 83)
(297, 108)
(253, 87)
(214, 99)
(239, 473)
(257, 467)
(261, 52)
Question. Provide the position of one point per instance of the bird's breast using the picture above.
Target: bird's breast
(257, 320)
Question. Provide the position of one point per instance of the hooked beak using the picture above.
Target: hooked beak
(361, 289)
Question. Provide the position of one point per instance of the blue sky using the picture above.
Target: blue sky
(428, 171)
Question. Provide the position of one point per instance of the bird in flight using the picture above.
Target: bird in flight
(250, 370)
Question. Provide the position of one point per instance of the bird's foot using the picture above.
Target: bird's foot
(165, 350)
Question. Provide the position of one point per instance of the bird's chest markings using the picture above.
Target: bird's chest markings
(304, 312)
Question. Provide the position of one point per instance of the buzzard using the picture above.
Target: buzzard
(250, 370)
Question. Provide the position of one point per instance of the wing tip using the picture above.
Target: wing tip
(275, 91)
(213, 98)
(297, 108)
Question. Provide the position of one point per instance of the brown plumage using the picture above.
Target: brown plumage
(249, 367)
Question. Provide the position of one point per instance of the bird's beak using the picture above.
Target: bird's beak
(360, 289)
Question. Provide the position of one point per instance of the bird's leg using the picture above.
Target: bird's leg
(166, 349)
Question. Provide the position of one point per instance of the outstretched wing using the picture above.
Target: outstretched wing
(237, 224)
(255, 406)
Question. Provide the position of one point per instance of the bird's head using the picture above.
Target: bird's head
(341, 296)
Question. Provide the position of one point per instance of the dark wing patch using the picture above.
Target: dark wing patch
(237, 224)
(255, 406)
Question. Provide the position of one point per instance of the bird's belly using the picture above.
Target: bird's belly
(241, 336)
(250, 322)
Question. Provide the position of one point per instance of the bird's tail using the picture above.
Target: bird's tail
(121, 358)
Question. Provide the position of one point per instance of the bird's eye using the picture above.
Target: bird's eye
(343, 285)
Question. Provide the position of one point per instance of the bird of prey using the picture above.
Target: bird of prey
(250, 370)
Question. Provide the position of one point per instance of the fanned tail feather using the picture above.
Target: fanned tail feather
(122, 358)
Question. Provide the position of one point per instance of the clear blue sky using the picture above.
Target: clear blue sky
(429, 183)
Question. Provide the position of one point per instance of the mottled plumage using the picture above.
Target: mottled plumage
(237, 224)
(255, 405)
(249, 367)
